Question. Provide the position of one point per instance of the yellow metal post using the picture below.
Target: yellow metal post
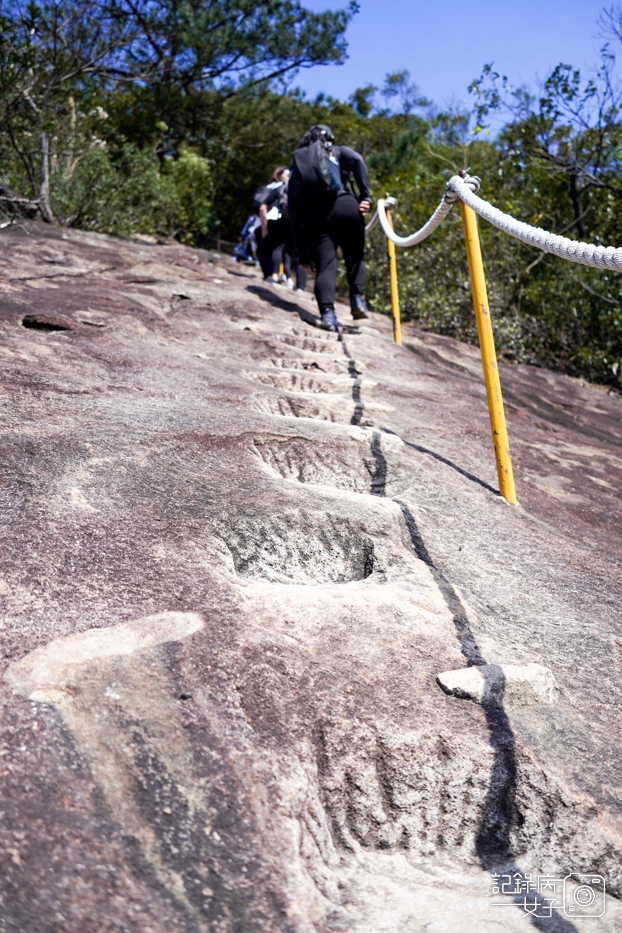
(489, 357)
(395, 297)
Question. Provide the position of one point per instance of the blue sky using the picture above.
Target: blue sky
(444, 44)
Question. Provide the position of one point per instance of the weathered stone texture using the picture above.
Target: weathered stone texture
(503, 686)
(236, 553)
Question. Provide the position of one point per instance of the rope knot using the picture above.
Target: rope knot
(471, 181)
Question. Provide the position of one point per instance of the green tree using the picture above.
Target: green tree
(60, 58)
(560, 160)
(49, 52)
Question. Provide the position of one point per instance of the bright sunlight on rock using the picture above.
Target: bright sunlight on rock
(252, 570)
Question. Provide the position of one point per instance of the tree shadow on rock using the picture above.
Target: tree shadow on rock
(273, 298)
(447, 462)
(454, 466)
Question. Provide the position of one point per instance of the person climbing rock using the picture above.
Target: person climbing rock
(246, 250)
(326, 212)
(275, 228)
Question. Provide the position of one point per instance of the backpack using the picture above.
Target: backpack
(282, 201)
(247, 229)
(315, 172)
(266, 194)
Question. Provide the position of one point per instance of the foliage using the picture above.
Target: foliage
(192, 179)
(194, 43)
(129, 192)
(58, 58)
(122, 195)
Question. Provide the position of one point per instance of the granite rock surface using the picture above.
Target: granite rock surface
(501, 685)
(236, 552)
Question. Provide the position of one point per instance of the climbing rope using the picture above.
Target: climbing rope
(600, 257)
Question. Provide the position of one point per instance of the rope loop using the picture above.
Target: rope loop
(437, 217)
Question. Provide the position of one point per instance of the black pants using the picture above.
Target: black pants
(289, 257)
(278, 247)
(270, 249)
(301, 277)
(342, 226)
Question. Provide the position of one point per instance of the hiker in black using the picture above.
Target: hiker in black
(280, 234)
(292, 266)
(325, 213)
(275, 228)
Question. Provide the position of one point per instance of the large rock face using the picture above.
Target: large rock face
(236, 555)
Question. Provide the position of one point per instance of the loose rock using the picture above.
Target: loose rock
(501, 685)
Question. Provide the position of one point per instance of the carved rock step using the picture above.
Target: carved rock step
(329, 408)
(311, 363)
(318, 383)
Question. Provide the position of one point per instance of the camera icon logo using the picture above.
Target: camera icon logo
(584, 895)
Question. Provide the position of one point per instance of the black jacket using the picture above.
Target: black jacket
(352, 164)
(304, 216)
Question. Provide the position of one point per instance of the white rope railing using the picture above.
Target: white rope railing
(372, 223)
(600, 257)
(588, 254)
(437, 218)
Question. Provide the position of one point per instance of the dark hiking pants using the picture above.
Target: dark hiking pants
(342, 226)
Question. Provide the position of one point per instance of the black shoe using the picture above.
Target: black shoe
(359, 308)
